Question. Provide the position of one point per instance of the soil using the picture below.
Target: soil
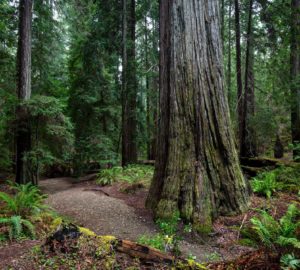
(13, 251)
(110, 211)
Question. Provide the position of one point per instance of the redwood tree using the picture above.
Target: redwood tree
(248, 143)
(239, 72)
(295, 74)
(129, 85)
(197, 170)
(23, 134)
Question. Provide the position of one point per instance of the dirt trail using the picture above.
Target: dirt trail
(110, 212)
(102, 214)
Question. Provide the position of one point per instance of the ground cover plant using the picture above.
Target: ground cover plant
(23, 213)
(129, 174)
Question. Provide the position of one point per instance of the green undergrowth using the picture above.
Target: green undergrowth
(23, 213)
(130, 174)
(281, 236)
(285, 179)
(87, 250)
(167, 239)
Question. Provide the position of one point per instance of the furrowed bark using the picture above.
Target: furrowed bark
(197, 170)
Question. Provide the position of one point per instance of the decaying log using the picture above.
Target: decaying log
(143, 252)
(252, 171)
(262, 162)
(147, 162)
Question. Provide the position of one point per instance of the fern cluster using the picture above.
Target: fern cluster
(19, 209)
(130, 174)
(280, 233)
(265, 184)
(280, 179)
(18, 227)
(26, 201)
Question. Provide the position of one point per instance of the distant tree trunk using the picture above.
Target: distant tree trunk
(197, 169)
(154, 89)
(278, 147)
(129, 85)
(223, 22)
(295, 75)
(248, 140)
(23, 133)
(229, 54)
(148, 94)
(239, 71)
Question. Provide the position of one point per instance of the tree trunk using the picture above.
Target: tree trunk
(223, 22)
(295, 75)
(129, 85)
(229, 55)
(248, 140)
(239, 71)
(23, 133)
(197, 169)
(148, 94)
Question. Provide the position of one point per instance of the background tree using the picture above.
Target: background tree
(295, 75)
(129, 85)
(248, 141)
(239, 80)
(197, 171)
(23, 135)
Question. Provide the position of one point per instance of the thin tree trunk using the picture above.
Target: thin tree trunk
(295, 76)
(197, 169)
(148, 97)
(129, 85)
(23, 133)
(239, 71)
(248, 141)
(223, 22)
(229, 70)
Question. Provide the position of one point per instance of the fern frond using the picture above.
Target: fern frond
(285, 241)
(29, 226)
(4, 220)
(16, 225)
(10, 203)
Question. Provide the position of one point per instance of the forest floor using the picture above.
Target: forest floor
(109, 211)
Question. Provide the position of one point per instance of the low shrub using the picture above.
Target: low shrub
(129, 174)
(17, 227)
(157, 241)
(278, 234)
(26, 201)
(289, 262)
(265, 184)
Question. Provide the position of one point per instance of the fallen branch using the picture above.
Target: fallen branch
(143, 252)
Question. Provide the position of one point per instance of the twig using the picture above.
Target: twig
(243, 222)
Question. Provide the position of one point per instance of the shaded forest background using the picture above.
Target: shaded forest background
(88, 104)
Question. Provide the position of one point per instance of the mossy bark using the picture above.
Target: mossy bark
(197, 170)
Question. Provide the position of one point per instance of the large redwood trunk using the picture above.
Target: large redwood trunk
(197, 170)
(295, 75)
(23, 134)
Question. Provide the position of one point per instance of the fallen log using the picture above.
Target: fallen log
(143, 252)
(251, 171)
(263, 162)
(146, 162)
